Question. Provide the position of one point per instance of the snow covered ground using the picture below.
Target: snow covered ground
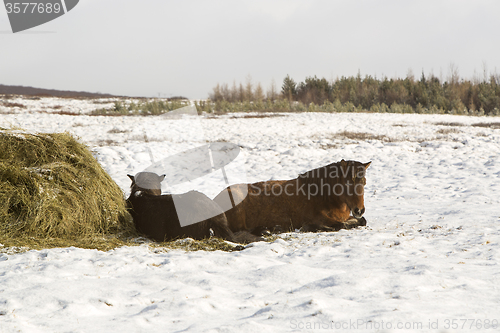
(16, 104)
(428, 259)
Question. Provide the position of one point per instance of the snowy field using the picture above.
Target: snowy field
(428, 260)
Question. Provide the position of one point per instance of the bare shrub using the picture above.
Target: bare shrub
(266, 115)
(448, 131)
(14, 105)
(107, 142)
(362, 136)
(118, 131)
(448, 124)
(487, 125)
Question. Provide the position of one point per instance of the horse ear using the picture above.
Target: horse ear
(366, 165)
(131, 177)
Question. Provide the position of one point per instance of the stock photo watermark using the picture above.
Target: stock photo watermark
(319, 182)
(456, 324)
(25, 15)
(210, 159)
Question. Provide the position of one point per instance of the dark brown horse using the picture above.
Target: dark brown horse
(320, 199)
(157, 216)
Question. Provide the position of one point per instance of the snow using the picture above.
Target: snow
(428, 259)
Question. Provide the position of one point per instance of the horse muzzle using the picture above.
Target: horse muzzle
(356, 212)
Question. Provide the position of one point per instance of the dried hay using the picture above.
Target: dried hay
(52, 188)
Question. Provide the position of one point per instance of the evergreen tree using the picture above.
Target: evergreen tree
(289, 88)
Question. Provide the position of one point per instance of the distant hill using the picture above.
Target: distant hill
(30, 91)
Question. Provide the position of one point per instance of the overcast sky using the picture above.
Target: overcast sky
(142, 48)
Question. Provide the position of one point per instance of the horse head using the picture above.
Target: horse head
(352, 175)
(148, 183)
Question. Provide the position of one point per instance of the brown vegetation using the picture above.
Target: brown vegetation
(13, 105)
(361, 136)
(488, 125)
(447, 131)
(448, 124)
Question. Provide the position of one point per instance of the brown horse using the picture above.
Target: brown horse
(156, 216)
(320, 199)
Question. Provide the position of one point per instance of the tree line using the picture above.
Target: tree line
(453, 95)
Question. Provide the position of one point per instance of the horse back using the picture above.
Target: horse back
(266, 204)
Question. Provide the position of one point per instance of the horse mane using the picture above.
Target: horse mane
(326, 177)
(321, 179)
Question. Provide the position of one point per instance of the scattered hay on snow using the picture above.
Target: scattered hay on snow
(189, 244)
(51, 187)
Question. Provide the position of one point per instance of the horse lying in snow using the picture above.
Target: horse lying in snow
(155, 215)
(318, 200)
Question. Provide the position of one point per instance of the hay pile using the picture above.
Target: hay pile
(51, 187)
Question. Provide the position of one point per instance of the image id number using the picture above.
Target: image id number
(32, 7)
